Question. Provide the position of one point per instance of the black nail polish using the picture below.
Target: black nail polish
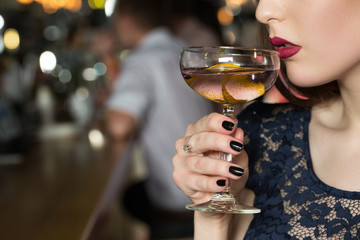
(221, 183)
(236, 146)
(228, 125)
(236, 171)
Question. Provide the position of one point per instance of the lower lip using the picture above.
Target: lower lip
(287, 52)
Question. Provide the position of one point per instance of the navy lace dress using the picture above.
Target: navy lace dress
(295, 204)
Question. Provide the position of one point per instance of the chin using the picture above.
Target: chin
(303, 78)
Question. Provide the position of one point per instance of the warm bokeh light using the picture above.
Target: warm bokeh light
(233, 4)
(230, 37)
(225, 16)
(47, 61)
(11, 39)
(97, 4)
(51, 6)
(25, 1)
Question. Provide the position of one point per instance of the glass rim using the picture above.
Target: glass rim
(200, 49)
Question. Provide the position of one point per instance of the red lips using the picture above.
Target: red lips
(285, 48)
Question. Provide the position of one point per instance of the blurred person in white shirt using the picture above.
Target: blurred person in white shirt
(151, 99)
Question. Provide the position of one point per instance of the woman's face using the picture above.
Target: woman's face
(322, 38)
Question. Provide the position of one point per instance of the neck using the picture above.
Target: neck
(344, 112)
(350, 89)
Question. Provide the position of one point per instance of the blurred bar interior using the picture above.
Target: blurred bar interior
(52, 81)
(59, 172)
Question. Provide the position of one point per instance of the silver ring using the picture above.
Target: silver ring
(187, 147)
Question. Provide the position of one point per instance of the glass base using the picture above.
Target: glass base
(223, 207)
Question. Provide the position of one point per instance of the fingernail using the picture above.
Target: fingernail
(228, 125)
(236, 146)
(236, 171)
(221, 183)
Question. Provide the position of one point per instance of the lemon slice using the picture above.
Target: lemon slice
(238, 88)
(222, 67)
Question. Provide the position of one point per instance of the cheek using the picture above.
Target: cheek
(311, 70)
(328, 54)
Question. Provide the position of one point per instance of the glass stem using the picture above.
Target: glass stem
(228, 110)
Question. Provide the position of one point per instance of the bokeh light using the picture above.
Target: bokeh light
(65, 76)
(47, 61)
(2, 45)
(11, 39)
(2, 22)
(25, 1)
(52, 33)
(82, 93)
(109, 7)
(51, 6)
(225, 16)
(233, 4)
(97, 4)
(230, 37)
(89, 74)
(100, 68)
(96, 138)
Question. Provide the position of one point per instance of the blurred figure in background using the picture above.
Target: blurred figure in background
(104, 45)
(151, 99)
(188, 20)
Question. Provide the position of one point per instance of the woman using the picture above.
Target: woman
(302, 159)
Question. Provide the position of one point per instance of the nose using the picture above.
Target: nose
(268, 11)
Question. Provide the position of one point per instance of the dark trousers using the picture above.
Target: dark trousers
(163, 224)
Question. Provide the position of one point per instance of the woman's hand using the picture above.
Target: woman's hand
(200, 173)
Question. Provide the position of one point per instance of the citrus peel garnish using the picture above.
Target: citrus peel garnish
(223, 67)
(245, 88)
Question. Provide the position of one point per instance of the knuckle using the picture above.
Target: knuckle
(211, 185)
(197, 163)
(219, 141)
(200, 184)
(178, 144)
(174, 160)
(190, 127)
(213, 115)
(208, 119)
(176, 178)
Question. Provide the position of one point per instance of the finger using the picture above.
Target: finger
(238, 185)
(239, 134)
(194, 184)
(213, 122)
(210, 141)
(241, 159)
(212, 167)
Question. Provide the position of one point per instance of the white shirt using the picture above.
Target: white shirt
(150, 88)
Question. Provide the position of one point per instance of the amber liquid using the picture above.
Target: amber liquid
(230, 86)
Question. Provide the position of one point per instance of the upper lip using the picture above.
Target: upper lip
(278, 42)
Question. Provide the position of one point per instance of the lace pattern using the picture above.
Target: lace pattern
(295, 203)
